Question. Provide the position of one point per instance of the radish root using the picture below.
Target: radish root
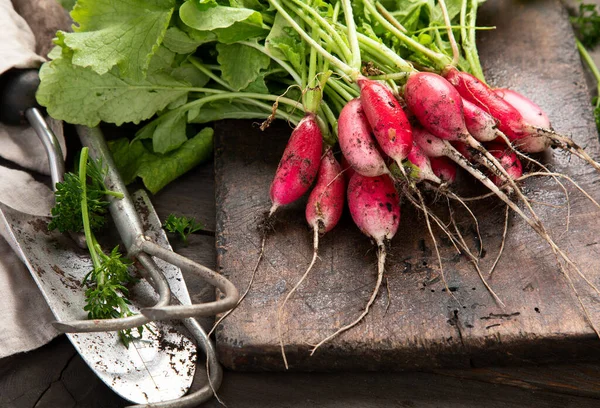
(381, 254)
(289, 294)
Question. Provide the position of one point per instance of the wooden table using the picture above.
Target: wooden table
(55, 375)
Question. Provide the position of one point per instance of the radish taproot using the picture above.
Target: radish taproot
(357, 143)
(375, 208)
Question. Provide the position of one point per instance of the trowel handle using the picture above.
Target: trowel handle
(51, 144)
(17, 103)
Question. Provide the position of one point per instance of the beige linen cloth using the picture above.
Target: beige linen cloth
(24, 315)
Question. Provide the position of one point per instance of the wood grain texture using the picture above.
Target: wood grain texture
(424, 326)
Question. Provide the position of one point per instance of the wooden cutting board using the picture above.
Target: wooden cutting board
(415, 322)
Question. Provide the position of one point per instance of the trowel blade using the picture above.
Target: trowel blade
(160, 365)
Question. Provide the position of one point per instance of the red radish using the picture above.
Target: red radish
(387, 119)
(357, 143)
(423, 169)
(323, 211)
(375, 209)
(510, 121)
(326, 200)
(532, 114)
(374, 206)
(509, 160)
(437, 105)
(439, 108)
(480, 124)
(444, 168)
(299, 164)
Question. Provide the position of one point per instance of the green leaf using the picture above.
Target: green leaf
(125, 33)
(228, 23)
(409, 12)
(135, 160)
(215, 17)
(190, 74)
(180, 42)
(170, 132)
(240, 64)
(285, 43)
(81, 96)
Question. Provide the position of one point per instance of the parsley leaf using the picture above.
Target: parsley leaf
(587, 25)
(66, 214)
(183, 226)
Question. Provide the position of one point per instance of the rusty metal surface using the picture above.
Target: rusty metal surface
(532, 51)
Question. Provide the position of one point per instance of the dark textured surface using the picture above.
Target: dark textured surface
(532, 51)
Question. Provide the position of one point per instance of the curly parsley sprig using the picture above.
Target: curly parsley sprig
(183, 226)
(81, 206)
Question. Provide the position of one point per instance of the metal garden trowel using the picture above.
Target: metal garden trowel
(157, 368)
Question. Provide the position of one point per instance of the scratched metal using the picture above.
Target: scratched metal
(415, 323)
(157, 367)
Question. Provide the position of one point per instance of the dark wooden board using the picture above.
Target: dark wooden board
(532, 51)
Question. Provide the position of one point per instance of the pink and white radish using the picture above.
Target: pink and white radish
(480, 124)
(532, 114)
(323, 211)
(375, 208)
(357, 143)
(299, 163)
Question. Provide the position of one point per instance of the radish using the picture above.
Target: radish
(299, 164)
(509, 160)
(323, 211)
(532, 114)
(326, 200)
(357, 143)
(439, 108)
(510, 121)
(480, 124)
(375, 209)
(421, 166)
(387, 119)
(437, 105)
(444, 168)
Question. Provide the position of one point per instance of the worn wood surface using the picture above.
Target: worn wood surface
(420, 325)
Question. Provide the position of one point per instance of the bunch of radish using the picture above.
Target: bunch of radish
(394, 139)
